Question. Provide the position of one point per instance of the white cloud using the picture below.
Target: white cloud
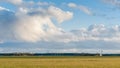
(80, 7)
(99, 32)
(52, 12)
(85, 10)
(43, 3)
(71, 50)
(1, 8)
(17, 2)
(59, 14)
(72, 5)
(35, 28)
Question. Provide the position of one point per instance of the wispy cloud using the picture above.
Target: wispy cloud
(1, 42)
(114, 6)
(72, 5)
(113, 2)
(16, 2)
(80, 7)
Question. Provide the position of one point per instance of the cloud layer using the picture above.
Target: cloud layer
(34, 25)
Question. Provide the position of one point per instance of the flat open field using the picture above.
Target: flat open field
(60, 62)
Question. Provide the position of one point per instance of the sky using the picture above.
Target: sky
(60, 26)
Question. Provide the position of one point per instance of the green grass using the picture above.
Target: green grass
(59, 62)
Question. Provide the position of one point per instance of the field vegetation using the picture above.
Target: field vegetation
(59, 62)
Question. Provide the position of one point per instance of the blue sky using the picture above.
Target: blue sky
(103, 13)
(59, 26)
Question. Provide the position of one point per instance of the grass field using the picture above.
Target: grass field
(60, 62)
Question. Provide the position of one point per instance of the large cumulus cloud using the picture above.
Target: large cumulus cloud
(31, 24)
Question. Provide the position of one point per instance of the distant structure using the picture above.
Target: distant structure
(101, 52)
